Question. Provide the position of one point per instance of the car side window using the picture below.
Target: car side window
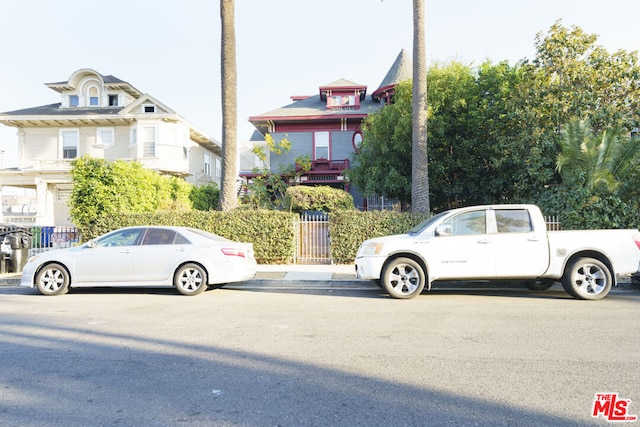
(513, 221)
(467, 223)
(159, 236)
(127, 237)
(180, 240)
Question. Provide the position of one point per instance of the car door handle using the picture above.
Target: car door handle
(533, 239)
(125, 251)
(484, 241)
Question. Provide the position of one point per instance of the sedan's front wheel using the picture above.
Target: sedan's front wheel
(190, 279)
(53, 279)
(403, 278)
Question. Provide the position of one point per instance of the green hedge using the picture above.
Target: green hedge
(271, 232)
(349, 228)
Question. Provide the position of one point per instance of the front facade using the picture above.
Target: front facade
(103, 117)
(326, 127)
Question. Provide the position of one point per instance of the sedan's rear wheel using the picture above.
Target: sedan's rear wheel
(190, 279)
(587, 278)
(53, 279)
(403, 278)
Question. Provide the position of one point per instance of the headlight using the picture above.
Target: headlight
(371, 249)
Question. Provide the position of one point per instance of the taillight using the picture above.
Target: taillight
(234, 252)
(636, 238)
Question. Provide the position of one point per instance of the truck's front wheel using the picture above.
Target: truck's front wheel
(403, 278)
(587, 278)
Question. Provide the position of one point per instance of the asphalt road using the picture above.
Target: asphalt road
(314, 355)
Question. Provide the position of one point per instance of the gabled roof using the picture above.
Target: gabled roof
(401, 70)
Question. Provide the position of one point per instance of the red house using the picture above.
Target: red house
(327, 126)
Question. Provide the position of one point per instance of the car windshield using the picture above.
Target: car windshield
(426, 223)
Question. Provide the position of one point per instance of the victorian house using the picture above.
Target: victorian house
(103, 117)
(326, 127)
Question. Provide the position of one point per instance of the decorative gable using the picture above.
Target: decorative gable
(87, 88)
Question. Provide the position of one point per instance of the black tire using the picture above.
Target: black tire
(190, 279)
(540, 285)
(53, 279)
(588, 279)
(403, 278)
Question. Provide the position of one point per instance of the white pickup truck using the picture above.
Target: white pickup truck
(499, 242)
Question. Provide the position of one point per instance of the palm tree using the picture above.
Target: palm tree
(595, 161)
(228, 191)
(419, 158)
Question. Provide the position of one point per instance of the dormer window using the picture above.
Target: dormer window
(74, 101)
(113, 100)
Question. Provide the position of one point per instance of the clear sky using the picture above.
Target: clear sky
(170, 49)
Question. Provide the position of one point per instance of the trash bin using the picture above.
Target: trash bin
(14, 250)
(46, 234)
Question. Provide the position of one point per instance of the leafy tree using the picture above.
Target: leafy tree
(229, 74)
(381, 165)
(102, 188)
(205, 197)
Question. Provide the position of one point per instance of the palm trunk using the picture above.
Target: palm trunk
(419, 162)
(228, 191)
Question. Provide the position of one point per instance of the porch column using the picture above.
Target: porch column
(44, 203)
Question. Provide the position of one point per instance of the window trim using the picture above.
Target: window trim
(61, 142)
(316, 146)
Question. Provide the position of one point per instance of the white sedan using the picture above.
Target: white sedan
(186, 258)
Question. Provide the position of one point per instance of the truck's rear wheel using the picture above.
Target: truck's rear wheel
(403, 278)
(587, 278)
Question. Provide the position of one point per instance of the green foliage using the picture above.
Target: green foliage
(596, 161)
(205, 197)
(493, 130)
(580, 209)
(271, 232)
(348, 229)
(108, 188)
(322, 198)
(382, 164)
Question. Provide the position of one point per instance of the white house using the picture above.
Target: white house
(104, 117)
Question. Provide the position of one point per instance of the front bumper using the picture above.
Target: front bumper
(369, 267)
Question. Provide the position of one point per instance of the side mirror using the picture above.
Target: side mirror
(443, 230)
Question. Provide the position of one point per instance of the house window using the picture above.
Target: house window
(218, 168)
(149, 108)
(149, 141)
(104, 137)
(69, 143)
(207, 164)
(321, 145)
(113, 100)
(94, 100)
(342, 101)
(73, 100)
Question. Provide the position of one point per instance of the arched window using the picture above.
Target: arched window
(94, 96)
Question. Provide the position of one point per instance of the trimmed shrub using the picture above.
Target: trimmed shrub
(301, 198)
